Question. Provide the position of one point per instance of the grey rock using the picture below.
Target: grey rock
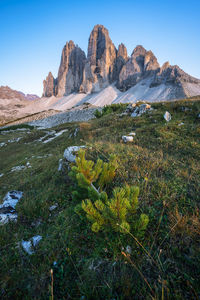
(167, 116)
(7, 208)
(29, 245)
(141, 109)
(142, 63)
(127, 138)
(69, 153)
(51, 208)
(121, 60)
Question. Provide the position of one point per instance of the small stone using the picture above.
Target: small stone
(132, 134)
(128, 249)
(60, 165)
(127, 138)
(167, 116)
(51, 208)
(28, 245)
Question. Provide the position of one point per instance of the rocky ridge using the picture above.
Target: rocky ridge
(105, 65)
(8, 93)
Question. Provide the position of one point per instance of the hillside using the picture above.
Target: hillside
(69, 260)
(13, 103)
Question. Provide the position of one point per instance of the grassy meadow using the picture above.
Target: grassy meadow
(71, 261)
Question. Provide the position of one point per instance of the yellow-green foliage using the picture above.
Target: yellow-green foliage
(87, 172)
(118, 213)
(108, 171)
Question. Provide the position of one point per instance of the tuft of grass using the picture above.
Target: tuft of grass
(15, 127)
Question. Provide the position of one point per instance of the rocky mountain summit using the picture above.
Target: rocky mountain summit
(106, 65)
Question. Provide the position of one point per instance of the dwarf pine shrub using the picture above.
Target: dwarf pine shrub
(108, 109)
(118, 212)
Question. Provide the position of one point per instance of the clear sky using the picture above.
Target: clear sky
(33, 33)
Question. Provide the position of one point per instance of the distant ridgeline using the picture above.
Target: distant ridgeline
(105, 65)
(8, 93)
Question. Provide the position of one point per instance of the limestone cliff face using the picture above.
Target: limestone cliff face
(49, 86)
(121, 60)
(70, 73)
(105, 65)
(141, 63)
(99, 68)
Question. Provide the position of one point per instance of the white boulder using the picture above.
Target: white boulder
(167, 116)
(69, 153)
(127, 138)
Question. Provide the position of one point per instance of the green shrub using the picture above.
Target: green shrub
(119, 212)
(108, 109)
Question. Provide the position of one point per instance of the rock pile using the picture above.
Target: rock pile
(7, 208)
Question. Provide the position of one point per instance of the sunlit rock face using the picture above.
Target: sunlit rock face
(99, 68)
(141, 63)
(49, 86)
(106, 65)
(70, 74)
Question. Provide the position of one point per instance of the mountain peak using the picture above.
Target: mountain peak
(139, 50)
(107, 65)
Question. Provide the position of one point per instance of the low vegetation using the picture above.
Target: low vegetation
(108, 109)
(134, 234)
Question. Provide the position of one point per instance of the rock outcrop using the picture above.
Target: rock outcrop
(140, 65)
(121, 60)
(70, 74)
(99, 68)
(49, 86)
(107, 65)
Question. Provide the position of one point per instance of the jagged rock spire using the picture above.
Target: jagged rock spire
(49, 86)
(70, 72)
(100, 60)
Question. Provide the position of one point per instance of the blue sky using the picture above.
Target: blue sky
(34, 32)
